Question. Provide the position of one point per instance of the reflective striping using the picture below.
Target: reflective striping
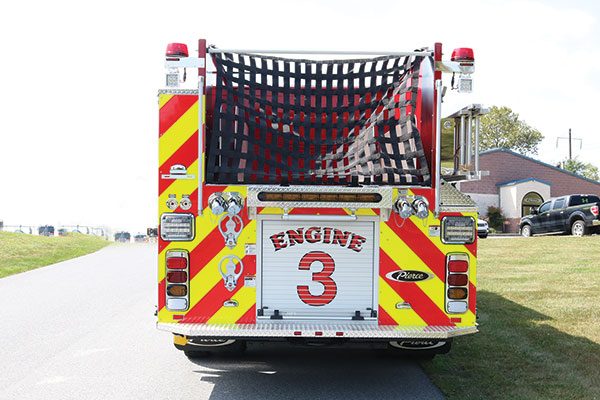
(388, 298)
(413, 293)
(245, 298)
(185, 155)
(163, 99)
(250, 316)
(170, 113)
(178, 134)
(209, 274)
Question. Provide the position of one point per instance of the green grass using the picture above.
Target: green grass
(21, 252)
(539, 313)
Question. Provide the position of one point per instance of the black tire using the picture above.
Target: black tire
(198, 348)
(578, 228)
(483, 236)
(526, 231)
(421, 354)
(194, 355)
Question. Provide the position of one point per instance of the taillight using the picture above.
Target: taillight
(595, 210)
(177, 290)
(176, 276)
(177, 264)
(458, 265)
(457, 283)
(458, 280)
(457, 293)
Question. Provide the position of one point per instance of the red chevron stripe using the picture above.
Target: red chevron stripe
(385, 318)
(161, 243)
(472, 297)
(185, 155)
(424, 248)
(249, 316)
(173, 110)
(161, 294)
(206, 250)
(214, 299)
(413, 294)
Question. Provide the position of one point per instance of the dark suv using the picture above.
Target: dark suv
(577, 214)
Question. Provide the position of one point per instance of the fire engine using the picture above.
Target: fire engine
(302, 198)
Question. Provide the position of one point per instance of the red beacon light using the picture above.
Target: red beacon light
(177, 50)
(464, 60)
(462, 54)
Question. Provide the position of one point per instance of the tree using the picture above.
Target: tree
(588, 170)
(502, 128)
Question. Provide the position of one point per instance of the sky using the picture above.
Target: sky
(78, 80)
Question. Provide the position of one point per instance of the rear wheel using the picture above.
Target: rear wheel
(421, 349)
(578, 228)
(194, 347)
(526, 230)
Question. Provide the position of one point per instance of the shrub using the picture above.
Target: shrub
(496, 218)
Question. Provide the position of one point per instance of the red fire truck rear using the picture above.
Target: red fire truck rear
(302, 198)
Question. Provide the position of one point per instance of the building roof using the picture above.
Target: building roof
(564, 171)
(517, 181)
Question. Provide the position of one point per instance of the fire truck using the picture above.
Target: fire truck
(302, 198)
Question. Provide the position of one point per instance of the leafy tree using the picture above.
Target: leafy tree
(581, 168)
(502, 128)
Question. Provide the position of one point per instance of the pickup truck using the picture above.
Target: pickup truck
(577, 214)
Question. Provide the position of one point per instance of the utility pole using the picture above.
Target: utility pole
(570, 139)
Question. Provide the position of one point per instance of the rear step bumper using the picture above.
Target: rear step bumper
(291, 330)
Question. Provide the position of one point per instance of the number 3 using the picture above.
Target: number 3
(323, 277)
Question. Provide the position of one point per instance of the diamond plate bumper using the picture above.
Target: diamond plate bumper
(294, 330)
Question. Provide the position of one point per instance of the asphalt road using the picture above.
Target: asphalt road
(84, 329)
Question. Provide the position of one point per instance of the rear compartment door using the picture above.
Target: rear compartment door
(315, 269)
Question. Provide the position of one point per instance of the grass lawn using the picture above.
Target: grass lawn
(538, 302)
(21, 252)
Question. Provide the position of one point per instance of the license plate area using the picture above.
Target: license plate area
(312, 269)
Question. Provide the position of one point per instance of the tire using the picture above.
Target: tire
(483, 236)
(578, 228)
(526, 231)
(422, 354)
(203, 349)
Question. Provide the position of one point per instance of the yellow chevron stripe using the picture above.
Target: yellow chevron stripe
(209, 275)
(406, 258)
(388, 298)
(163, 99)
(447, 248)
(246, 298)
(178, 134)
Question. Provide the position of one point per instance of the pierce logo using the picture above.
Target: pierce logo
(408, 276)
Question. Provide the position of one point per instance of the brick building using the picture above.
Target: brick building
(517, 182)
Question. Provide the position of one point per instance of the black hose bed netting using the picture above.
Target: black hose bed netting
(304, 122)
